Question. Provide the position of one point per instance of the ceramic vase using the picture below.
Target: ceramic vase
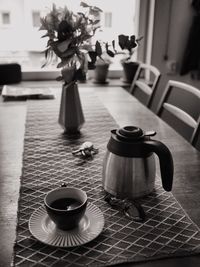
(71, 116)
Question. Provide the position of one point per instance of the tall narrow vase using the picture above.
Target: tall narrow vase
(71, 116)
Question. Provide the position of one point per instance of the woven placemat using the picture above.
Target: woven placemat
(48, 162)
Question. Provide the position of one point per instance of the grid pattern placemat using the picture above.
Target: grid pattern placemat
(48, 162)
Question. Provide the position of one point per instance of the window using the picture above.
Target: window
(108, 20)
(27, 49)
(36, 18)
(5, 18)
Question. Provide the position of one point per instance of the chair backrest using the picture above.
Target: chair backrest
(145, 82)
(180, 108)
(10, 73)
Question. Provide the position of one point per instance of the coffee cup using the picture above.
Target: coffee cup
(66, 206)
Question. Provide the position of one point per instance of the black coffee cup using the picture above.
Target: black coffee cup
(66, 206)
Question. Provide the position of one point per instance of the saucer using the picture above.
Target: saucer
(45, 230)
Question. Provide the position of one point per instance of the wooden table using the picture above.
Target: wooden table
(126, 110)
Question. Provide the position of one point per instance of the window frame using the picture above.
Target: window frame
(113, 72)
(2, 12)
(32, 17)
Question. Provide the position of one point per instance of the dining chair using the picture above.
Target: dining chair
(180, 108)
(10, 73)
(145, 83)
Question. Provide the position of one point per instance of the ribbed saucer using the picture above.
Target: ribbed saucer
(44, 229)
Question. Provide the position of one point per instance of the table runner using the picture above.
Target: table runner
(48, 162)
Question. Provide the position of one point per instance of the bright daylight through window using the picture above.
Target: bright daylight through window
(20, 20)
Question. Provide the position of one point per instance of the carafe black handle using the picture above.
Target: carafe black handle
(166, 162)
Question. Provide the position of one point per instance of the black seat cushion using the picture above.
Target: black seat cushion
(10, 73)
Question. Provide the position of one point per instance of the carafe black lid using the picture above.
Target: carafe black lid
(129, 141)
(130, 133)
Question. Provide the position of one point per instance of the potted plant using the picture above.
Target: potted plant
(69, 39)
(128, 44)
(102, 63)
(101, 71)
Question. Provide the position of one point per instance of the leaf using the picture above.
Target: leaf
(42, 28)
(83, 4)
(43, 23)
(59, 78)
(132, 38)
(110, 53)
(113, 45)
(96, 21)
(46, 53)
(91, 66)
(43, 65)
(86, 46)
(139, 39)
(133, 42)
(48, 56)
(45, 35)
(81, 14)
(61, 64)
(95, 8)
(94, 29)
(93, 12)
(63, 46)
(93, 56)
(70, 52)
(98, 49)
(86, 36)
(123, 41)
(49, 42)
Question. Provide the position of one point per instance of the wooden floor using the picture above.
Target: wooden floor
(12, 125)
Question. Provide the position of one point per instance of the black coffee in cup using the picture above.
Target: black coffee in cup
(65, 204)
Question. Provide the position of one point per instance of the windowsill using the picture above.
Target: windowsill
(52, 74)
(39, 74)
